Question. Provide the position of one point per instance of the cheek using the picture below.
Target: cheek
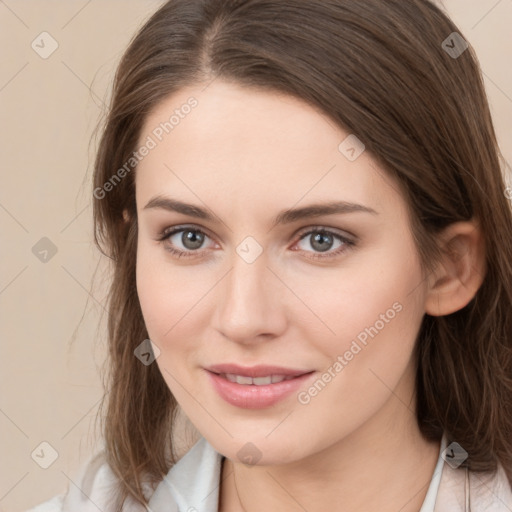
(171, 298)
(151, 291)
(375, 313)
(376, 302)
(159, 296)
(167, 305)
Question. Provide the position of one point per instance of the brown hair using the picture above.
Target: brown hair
(380, 70)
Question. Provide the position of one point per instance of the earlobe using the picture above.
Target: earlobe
(461, 272)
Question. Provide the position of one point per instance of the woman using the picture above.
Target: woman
(306, 215)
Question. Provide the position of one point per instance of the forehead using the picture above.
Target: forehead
(249, 146)
(247, 120)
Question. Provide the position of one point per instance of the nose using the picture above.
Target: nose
(249, 304)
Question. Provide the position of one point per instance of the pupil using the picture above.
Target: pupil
(192, 237)
(319, 238)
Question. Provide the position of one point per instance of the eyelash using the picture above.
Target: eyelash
(166, 234)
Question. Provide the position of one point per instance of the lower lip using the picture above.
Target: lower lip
(255, 397)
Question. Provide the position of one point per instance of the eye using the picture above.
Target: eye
(322, 240)
(191, 239)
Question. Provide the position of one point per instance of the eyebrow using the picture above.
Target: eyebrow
(284, 217)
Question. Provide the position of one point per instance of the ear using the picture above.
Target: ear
(459, 275)
(126, 215)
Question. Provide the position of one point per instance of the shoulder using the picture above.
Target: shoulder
(459, 489)
(491, 491)
(52, 505)
(93, 488)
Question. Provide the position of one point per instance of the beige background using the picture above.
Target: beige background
(51, 315)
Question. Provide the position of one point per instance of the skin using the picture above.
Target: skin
(247, 155)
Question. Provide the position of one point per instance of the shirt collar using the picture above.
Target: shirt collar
(433, 489)
(192, 484)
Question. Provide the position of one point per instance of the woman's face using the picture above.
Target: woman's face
(337, 298)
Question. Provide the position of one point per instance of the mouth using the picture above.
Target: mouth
(256, 387)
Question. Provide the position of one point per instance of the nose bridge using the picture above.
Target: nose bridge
(247, 304)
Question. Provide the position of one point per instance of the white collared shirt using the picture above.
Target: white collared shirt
(192, 485)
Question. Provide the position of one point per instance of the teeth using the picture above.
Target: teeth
(260, 381)
(257, 381)
(243, 380)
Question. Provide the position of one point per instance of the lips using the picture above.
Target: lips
(256, 387)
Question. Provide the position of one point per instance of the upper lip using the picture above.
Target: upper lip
(256, 371)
